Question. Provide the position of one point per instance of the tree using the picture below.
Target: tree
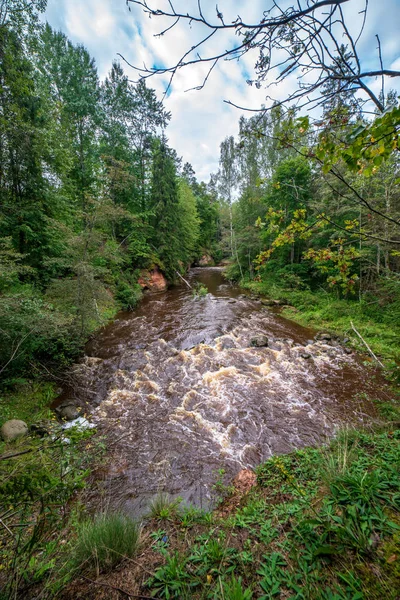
(227, 179)
(24, 206)
(71, 74)
(164, 205)
(189, 223)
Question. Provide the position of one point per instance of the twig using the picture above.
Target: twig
(187, 283)
(364, 342)
(118, 589)
(19, 453)
(5, 526)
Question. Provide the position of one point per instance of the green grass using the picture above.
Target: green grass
(163, 507)
(104, 542)
(28, 401)
(320, 524)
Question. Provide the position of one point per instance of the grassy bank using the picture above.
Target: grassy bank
(318, 524)
(42, 477)
(380, 327)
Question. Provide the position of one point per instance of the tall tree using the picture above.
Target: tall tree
(164, 205)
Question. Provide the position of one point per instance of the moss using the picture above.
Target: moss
(28, 401)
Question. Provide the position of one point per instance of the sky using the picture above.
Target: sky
(200, 119)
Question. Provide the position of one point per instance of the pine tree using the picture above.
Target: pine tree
(165, 206)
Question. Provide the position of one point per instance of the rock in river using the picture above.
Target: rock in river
(259, 341)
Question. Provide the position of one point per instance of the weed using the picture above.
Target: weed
(221, 489)
(105, 541)
(191, 515)
(232, 590)
(172, 580)
(164, 508)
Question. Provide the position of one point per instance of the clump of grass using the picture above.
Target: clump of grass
(338, 458)
(163, 507)
(105, 541)
(233, 589)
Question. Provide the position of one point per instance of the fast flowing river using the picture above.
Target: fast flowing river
(182, 394)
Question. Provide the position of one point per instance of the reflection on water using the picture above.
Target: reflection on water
(183, 394)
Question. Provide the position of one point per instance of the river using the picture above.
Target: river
(182, 394)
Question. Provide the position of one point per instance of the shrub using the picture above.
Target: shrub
(105, 541)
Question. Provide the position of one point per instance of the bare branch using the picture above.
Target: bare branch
(309, 37)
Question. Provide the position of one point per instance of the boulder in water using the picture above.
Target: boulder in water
(13, 429)
(226, 343)
(259, 341)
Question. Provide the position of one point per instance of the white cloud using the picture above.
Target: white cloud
(200, 119)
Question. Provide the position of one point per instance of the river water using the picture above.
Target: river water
(182, 394)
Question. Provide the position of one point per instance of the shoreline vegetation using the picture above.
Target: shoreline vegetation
(318, 523)
(324, 310)
(93, 199)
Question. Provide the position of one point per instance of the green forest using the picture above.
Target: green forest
(309, 215)
(91, 195)
(302, 217)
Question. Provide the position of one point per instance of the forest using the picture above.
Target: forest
(237, 435)
(310, 218)
(91, 195)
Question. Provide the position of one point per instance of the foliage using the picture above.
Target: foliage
(104, 542)
(163, 507)
(318, 525)
(36, 496)
(199, 290)
(89, 191)
(339, 262)
(325, 310)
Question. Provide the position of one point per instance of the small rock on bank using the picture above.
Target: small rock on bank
(13, 429)
(67, 412)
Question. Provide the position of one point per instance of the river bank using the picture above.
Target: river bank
(186, 393)
(378, 325)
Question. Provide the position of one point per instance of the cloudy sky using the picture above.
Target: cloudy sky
(200, 119)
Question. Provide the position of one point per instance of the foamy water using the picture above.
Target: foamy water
(183, 394)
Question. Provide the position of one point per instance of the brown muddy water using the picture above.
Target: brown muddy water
(183, 395)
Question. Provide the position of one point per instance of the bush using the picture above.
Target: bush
(105, 542)
(128, 294)
(199, 290)
(232, 272)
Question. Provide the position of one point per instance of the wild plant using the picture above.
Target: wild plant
(104, 542)
(164, 508)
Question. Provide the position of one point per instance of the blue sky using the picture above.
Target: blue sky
(200, 119)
